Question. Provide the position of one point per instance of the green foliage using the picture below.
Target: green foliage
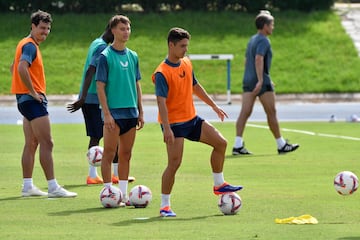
(110, 6)
(312, 52)
(274, 187)
(303, 5)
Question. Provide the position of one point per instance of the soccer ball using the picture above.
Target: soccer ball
(346, 183)
(110, 197)
(140, 196)
(94, 155)
(229, 203)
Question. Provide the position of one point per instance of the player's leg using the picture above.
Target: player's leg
(211, 136)
(115, 176)
(42, 131)
(267, 100)
(94, 130)
(111, 138)
(115, 164)
(248, 100)
(94, 141)
(126, 144)
(93, 177)
(27, 162)
(30, 146)
(175, 154)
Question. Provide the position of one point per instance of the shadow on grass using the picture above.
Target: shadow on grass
(72, 186)
(68, 187)
(247, 157)
(79, 211)
(18, 198)
(349, 238)
(161, 219)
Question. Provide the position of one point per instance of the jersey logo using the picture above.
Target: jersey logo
(124, 64)
(182, 75)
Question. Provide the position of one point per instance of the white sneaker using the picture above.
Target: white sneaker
(61, 192)
(34, 191)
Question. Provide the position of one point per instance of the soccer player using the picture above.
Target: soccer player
(175, 84)
(257, 83)
(28, 83)
(119, 91)
(89, 104)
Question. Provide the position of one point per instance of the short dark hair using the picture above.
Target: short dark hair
(115, 20)
(177, 34)
(40, 16)
(264, 17)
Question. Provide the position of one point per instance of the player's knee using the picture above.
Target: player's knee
(221, 144)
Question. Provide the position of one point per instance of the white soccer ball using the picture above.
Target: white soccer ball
(94, 155)
(140, 196)
(111, 197)
(346, 183)
(229, 203)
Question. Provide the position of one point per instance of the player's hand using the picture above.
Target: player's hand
(221, 113)
(169, 137)
(257, 88)
(109, 122)
(141, 122)
(73, 107)
(37, 97)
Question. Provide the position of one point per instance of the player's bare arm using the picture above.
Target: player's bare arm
(259, 65)
(141, 120)
(73, 107)
(23, 70)
(202, 94)
(109, 122)
(167, 132)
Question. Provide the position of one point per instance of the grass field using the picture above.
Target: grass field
(275, 187)
(312, 52)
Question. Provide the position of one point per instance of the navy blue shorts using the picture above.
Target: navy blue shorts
(126, 124)
(190, 130)
(31, 108)
(265, 88)
(93, 121)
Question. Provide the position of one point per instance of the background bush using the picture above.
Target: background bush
(110, 6)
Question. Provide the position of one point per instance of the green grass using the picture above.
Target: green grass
(312, 52)
(275, 187)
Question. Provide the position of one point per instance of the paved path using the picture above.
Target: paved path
(287, 111)
(350, 19)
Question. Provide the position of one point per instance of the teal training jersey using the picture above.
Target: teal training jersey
(95, 48)
(121, 78)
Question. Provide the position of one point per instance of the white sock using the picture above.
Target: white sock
(28, 184)
(218, 179)
(108, 184)
(165, 200)
(52, 185)
(115, 169)
(280, 142)
(123, 185)
(238, 142)
(92, 172)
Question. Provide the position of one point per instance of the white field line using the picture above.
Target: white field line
(308, 132)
